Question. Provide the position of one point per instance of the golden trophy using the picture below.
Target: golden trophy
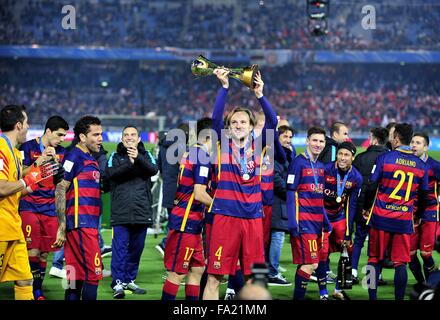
(202, 67)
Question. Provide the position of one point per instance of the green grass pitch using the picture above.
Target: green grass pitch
(151, 271)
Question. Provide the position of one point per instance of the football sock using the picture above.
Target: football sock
(43, 265)
(321, 276)
(23, 293)
(400, 281)
(355, 257)
(416, 269)
(337, 286)
(301, 281)
(327, 265)
(192, 292)
(236, 281)
(90, 290)
(169, 290)
(74, 294)
(372, 280)
(35, 269)
(428, 266)
(203, 284)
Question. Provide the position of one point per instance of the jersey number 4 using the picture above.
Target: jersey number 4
(402, 175)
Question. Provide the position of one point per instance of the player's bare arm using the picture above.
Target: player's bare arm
(201, 195)
(10, 187)
(60, 205)
(259, 85)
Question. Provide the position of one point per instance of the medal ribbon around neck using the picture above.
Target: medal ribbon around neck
(17, 161)
(340, 189)
(313, 170)
(242, 160)
(41, 145)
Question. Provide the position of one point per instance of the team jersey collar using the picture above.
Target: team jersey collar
(40, 142)
(202, 146)
(16, 160)
(83, 149)
(404, 149)
(424, 157)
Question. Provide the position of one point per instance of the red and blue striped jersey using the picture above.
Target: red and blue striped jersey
(431, 212)
(267, 168)
(235, 196)
(346, 209)
(305, 200)
(40, 201)
(83, 198)
(238, 192)
(399, 175)
(209, 216)
(187, 214)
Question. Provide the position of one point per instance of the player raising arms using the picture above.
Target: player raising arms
(305, 209)
(78, 205)
(37, 210)
(237, 233)
(398, 178)
(424, 237)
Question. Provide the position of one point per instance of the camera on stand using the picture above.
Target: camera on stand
(260, 274)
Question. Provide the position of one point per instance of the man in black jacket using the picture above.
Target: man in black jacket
(129, 170)
(338, 134)
(364, 162)
(279, 213)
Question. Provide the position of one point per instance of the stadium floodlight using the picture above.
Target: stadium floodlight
(317, 13)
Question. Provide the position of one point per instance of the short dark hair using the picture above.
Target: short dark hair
(130, 126)
(204, 123)
(405, 133)
(56, 122)
(185, 128)
(336, 126)
(315, 130)
(391, 125)
(84, 123)
(10, 115)
(423, 135)
(381, 134)
(282, 129)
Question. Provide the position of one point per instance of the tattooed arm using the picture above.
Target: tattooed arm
(60, 205)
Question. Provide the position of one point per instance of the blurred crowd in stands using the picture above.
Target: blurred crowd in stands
(361, 95)
(235, 25)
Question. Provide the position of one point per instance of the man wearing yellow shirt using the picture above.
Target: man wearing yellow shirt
(14, 262)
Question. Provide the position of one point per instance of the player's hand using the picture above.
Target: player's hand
(40, 174)
(222, 75)
(259, 84)
(132, 153)
(48, 154)
(365, 214)
(417, 222)
(61, 237)
(346, 243)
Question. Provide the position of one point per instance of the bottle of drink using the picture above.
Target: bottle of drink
(344, 270)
